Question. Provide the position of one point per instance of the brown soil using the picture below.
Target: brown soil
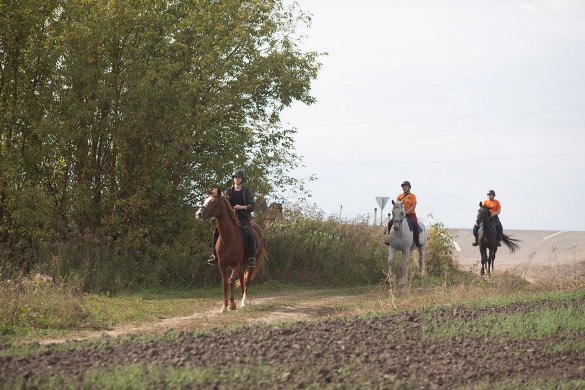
(387, 351)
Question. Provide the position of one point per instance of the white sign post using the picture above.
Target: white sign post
(382, 200)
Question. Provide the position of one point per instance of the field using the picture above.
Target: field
(493, 334)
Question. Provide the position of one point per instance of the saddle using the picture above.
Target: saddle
(410, 226)
(490, 224)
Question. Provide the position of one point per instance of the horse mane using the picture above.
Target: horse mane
(230, 211)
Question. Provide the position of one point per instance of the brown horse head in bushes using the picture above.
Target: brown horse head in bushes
(230, 246)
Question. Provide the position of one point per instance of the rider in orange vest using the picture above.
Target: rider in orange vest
(495, 209)
(409, 201)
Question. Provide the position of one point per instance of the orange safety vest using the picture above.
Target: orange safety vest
(494, 205)
(407, 200)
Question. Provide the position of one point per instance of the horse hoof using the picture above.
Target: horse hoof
(233, 306)
(224, 310)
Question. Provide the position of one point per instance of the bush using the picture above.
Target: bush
(308, 249)
(303, 247)
(38, 302)
(440, 262)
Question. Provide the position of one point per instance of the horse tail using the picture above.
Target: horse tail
(261, 259)
(511, 243)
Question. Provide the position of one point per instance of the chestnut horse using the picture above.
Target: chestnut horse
(230, 246)
(487, 240)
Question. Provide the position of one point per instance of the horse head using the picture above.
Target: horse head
(483, 213)
(398, 214)
(212, 205)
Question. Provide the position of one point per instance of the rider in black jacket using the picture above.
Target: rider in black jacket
(242, 200)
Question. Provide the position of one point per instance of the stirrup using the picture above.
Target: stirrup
(252, 262)
(212, 260)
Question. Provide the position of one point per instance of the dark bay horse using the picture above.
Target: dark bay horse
(230, 246)
(487, 240)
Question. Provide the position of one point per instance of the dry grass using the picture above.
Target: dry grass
(38, 302)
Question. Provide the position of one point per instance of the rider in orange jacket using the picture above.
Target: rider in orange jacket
(409, 201)
(495, 209)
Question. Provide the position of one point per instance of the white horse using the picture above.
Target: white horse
(401, 239)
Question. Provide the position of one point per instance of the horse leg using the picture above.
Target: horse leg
(483, 254)
(421, 261)
(224, 287)
(244, 288)
(232, 281)
(404, 268)
(494, 257)
(391, 252)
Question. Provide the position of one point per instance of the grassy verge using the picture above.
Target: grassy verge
(103, 312)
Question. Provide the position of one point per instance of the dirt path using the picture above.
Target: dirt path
(267, 311)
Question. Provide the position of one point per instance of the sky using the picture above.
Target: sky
(456, 96)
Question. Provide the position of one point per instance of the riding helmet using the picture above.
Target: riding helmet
(492, 192)
(406, 183)
(239, 173)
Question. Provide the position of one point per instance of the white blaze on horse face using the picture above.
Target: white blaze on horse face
(199, 213)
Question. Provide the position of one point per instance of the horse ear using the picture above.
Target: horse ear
(480, 203)
(393, 202)
(218, 191)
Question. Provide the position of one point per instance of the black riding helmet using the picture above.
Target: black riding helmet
(492, 192)
(239, 173)
(406, 183)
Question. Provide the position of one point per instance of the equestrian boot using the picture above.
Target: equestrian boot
(212, 260)
(253, 248)
(417, 241)
(252, 262)
(475, 243)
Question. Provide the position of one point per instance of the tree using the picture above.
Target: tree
(117, 116)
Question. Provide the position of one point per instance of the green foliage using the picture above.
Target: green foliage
(306, 248)
(116, 117)
(568, 315)
(440, 262)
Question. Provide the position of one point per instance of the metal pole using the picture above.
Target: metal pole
(375, 216)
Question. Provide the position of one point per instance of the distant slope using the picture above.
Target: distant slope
(542, 253)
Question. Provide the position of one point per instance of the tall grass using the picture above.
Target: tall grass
(304, 248)
(313, 250)
(38, 302)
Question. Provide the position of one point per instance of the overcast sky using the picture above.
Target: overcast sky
(459, 97)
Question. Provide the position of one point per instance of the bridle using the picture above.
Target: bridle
(397, 221)
(205, 211)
